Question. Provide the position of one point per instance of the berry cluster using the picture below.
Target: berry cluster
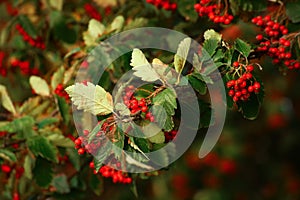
(242, 87)
(7, 169)
(24, 67)
(92, 11)
(273, 41)
(135, 105)
(38, 42)
(60, 91)
(10, 9)
(205, 8)
(165, 4)
(82, 145)
(169, 136)
(116, 175)
(3, 71)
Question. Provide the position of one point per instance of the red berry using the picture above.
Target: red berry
(256, 85)
(144, 109)
(92, 165)
(250, 68)
(77, 141)
(5, 168)
(236, 64)
(81, 151)
(259, 37)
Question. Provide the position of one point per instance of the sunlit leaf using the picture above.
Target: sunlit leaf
(39, 85)
(91, 98)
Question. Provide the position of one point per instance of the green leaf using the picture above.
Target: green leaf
(57, 78)
(167, 99)
(91, 98)
(8, 155)
(64, 108)
(60, 28)
(23, 126)
(60, 183)
(182, 54)
(186, 9)
(46, 122)
(28, 165)
(210, 46)
(94, 132)
(74, 158)
(6, 101)
(142, 67)
(162, 117)
(197, 84)
(250, 109)
(292, 11)
(242, 47)
(40, 146)
(42, 172)
(158, 138)
(122, 109)
(39, 85)
(96, 185)
(60, 140)
(27, 25)
(161, 157)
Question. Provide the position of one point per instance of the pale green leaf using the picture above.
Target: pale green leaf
(39, 85)
(117, 23)
(28, 165)
(95, 29)
(158, 138)
(132, 161)
(91, 98)
(57, 4)
(182, 54)
(57, 78)
(196, 63)
(6, 101)
(142, 67)
(212, 34)
(8, 155)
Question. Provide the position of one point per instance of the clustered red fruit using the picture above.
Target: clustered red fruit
(16, 196)
(82, 145)
(24, 67)
(135, 105)
(274, 43)
(10, 9)
(206, 8)
(242, 87)
(92, 11)
(7, 169)
(116, 175)
(165, 4)
(60, 91)
(3, 70)
(38, 42)
(169, 136)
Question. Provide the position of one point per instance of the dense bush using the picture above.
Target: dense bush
(251, 46)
